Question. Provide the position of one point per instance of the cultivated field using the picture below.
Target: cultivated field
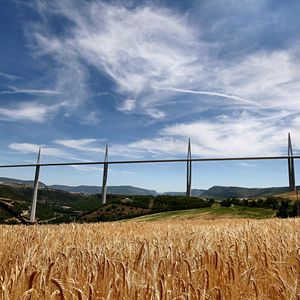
(211, 213)
(221, 259)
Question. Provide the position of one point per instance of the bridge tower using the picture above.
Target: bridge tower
(189, 171)
(105, 171)
(291, 167)
(35, 188)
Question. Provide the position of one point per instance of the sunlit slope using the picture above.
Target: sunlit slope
(289, 196)
(211, 213)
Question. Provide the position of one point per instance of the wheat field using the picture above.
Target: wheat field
(222, 259)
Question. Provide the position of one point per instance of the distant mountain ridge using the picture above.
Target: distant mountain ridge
(221, 192)
(86, 189)
(119, 190)
(195, 193)
(13, 181)
(90, 189)
(216, 192)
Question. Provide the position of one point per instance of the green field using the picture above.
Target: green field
(212, 213)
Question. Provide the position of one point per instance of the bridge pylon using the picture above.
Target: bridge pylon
(105, 172)
(189, 171)
(35, 188)
(291, 166)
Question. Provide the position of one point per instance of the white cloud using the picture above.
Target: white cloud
(91, 118)
(80, 144)
(232, 97)
(29, 111)
(46, 151)
(71, 75)
(127, 105)
(33, 148)
(87, 168)
(29, 91)
(155, 113)
(157, 147)
(137, 49)
(149, 49)
(155, 57)
(9, 76)
(246, 165)
(98, 168)
(271, 79)
(239, 134)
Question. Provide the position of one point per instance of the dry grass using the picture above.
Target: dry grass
(232, 259)
(289, 196)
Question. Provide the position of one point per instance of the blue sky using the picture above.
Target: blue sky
(144, 76)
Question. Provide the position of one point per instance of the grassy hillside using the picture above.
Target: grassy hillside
(222, 192)
(211, 213)
(56, 206)
(52, 205)
(133, 206)
(289, 196)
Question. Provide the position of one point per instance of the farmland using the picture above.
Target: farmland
(211, 213)
(176, 259)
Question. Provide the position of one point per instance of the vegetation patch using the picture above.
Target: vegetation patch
(212, 213)
(57, 206)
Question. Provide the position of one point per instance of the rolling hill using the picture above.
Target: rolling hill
(13, 181)
(60, 203)
(221, 192)
(195, 193)
(211, 213)
(215, 192)
(118, 190)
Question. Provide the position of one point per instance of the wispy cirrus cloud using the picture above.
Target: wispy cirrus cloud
(150, 48)
(87, 145)
(10, 77)
(47, 150)
(136, 48)
(227, 135)
(270, 78)
(127, 105)
(216, 94)
(92, 145)
(247, 165)
(63, 153)
(33, 148)
(14, 90)
(27, 111)
(233, 135)
(91, 118)
(163, 64)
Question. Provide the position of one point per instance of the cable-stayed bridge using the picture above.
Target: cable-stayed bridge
(188, 160)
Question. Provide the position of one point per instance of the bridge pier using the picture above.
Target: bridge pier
(35, 188)
(105, 171)
(189, 171)
(291, 166)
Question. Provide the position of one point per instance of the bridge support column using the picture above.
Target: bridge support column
(189, 171)
(291, 167)
(105, 171)
(35, 188)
